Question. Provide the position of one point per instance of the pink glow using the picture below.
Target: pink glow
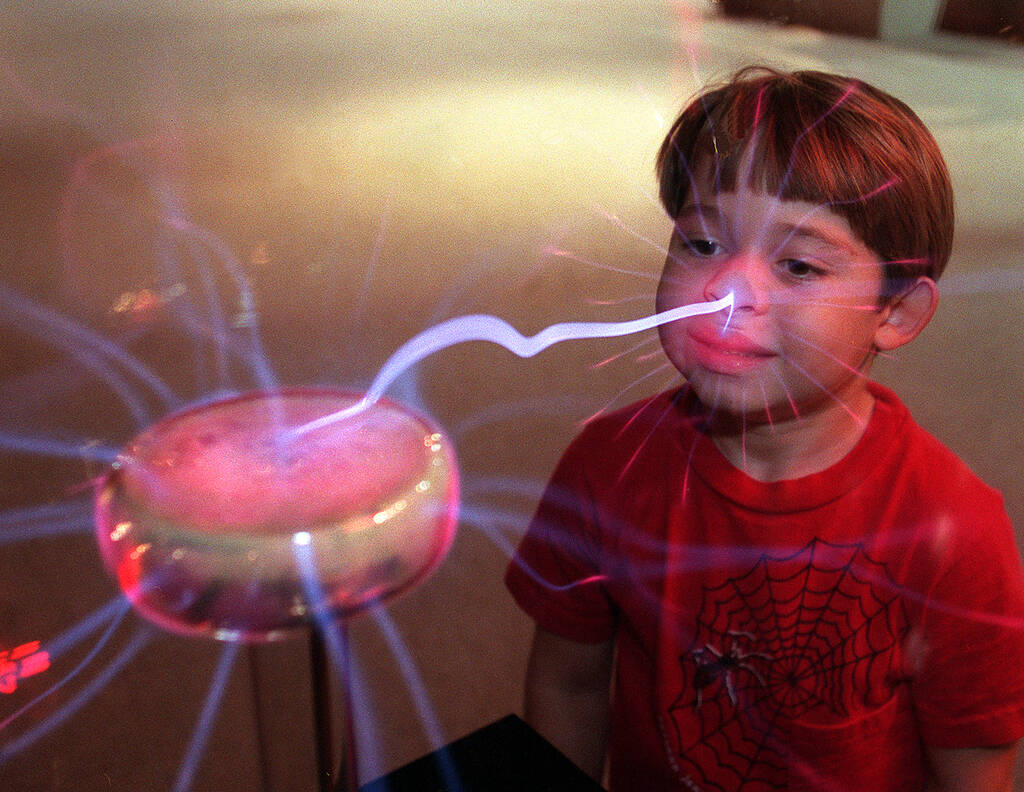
(21, 662)
(202, 516)
(228, 469)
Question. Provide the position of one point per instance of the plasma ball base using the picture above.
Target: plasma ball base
(222, 521)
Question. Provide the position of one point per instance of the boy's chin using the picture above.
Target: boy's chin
(726, 401)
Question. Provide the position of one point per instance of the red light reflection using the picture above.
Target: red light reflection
(21, 662)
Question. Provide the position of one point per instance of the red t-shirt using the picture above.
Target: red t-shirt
(809, 634)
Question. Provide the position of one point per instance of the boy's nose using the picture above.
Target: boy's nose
(746, 277)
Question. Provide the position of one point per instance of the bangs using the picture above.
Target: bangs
(825, 140)
(773, 140)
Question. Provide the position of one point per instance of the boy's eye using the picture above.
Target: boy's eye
(799, 269)
(703, 247)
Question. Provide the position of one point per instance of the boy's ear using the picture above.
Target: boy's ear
(906, 314)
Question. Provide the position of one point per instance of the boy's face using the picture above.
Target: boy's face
(807, 304)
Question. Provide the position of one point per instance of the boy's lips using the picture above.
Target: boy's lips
(728, 353)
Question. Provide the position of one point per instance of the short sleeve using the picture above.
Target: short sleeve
(969, 686)
(558, 576)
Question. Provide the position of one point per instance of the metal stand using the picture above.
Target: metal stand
(323, 715)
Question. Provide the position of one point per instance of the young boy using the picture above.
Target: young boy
(796, 586)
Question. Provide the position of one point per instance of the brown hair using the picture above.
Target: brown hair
(823, 139)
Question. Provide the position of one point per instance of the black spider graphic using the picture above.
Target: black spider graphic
(812, 631)
(714, 665)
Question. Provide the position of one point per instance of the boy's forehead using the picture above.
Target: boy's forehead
(749, 203)
(756, 212)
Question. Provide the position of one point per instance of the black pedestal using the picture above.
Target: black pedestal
(507, 756)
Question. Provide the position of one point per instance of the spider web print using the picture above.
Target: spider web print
(812, 632)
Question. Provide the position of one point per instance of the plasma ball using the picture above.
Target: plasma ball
(213, 520)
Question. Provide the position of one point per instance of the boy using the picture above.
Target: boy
(795, 585)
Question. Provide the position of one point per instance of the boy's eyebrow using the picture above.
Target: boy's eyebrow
(786, 230)
(818, 234)
(699, 211)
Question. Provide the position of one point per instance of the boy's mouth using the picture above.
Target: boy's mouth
(730, 353)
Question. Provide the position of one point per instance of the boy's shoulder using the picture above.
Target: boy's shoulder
(929, 454)
(936, 472)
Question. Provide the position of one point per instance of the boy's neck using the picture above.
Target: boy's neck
(795, 447)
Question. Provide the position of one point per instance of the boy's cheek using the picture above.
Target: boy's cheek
(673, 342)
(663, 297)
(675, 290)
